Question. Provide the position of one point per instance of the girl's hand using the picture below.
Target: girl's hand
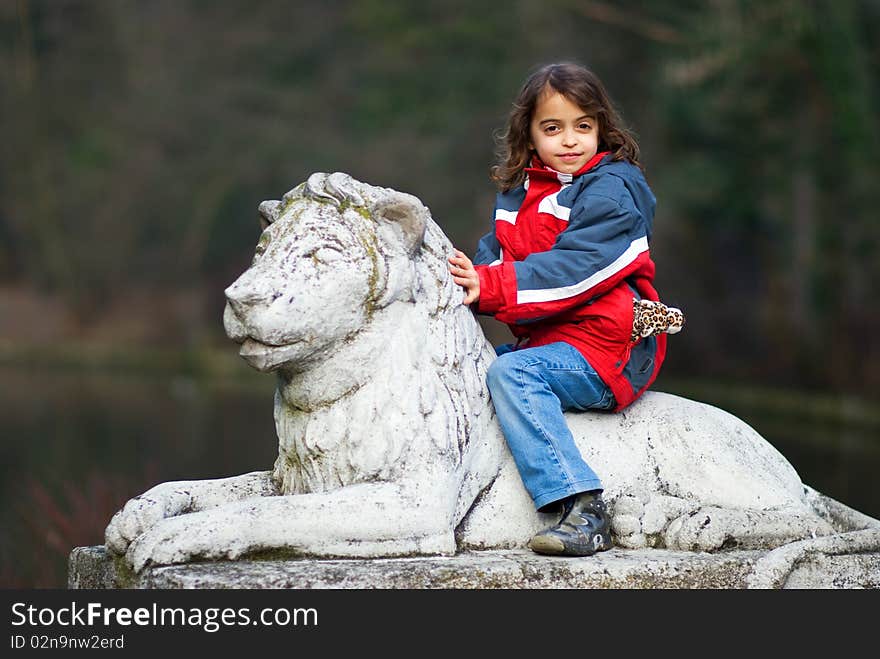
(464, 274)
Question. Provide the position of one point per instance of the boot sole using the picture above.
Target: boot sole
(542, 544)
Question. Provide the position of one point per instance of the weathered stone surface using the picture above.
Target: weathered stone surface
(388, 445)
(518, 568)
(91, 567)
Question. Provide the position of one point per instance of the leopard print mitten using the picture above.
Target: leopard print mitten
(651, 317)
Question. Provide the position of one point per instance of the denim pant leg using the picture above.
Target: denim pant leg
(531, 388)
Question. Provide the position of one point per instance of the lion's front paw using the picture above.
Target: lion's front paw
(219, 533)
(143, 513)
(170, 541)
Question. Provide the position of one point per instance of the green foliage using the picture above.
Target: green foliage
(139, 139)
(771, 116)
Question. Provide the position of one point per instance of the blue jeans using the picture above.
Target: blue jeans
(531, 388)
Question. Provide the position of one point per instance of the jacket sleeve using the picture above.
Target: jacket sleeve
(488, 249)
(604, 242)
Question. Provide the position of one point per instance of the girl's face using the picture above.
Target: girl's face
(564, 137)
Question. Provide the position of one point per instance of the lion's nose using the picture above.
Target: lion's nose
(238, 295)
(248, 287)
(243, 293)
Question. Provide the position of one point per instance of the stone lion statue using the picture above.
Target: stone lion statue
(387, 439)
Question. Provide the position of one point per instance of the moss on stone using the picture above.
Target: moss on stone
(368, 241)
(124, 576)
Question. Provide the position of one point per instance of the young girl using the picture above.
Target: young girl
(567, 267)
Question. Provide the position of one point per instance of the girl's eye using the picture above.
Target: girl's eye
(585, 126)
(551, 129)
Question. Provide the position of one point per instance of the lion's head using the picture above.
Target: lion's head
(333, 251)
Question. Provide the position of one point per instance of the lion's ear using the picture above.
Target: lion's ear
(269, 211)
(407, 216)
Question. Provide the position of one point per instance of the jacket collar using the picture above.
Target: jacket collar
(541, 171)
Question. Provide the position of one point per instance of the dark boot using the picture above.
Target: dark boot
(582, 531)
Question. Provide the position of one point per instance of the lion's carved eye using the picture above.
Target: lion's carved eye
(327, 255)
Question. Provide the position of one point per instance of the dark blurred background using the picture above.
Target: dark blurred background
(139, 136)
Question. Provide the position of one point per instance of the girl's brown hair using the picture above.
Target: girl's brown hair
(580, 86)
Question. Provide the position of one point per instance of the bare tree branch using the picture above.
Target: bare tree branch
(628, 20)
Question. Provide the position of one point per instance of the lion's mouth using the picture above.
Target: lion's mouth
(267, 357)
(251, 346)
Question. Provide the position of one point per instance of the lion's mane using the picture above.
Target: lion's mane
(372, 433)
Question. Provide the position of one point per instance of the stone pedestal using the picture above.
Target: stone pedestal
(91, 567)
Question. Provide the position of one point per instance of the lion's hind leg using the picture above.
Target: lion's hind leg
(711, 528)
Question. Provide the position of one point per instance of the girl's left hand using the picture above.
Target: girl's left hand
(464, 274)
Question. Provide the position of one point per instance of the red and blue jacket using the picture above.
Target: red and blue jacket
(565, 258)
